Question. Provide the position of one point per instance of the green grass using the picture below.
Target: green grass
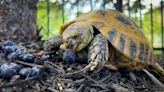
(157, 52)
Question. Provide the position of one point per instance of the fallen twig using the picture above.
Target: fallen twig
(28, 64)
(80, 88)
(154, 79)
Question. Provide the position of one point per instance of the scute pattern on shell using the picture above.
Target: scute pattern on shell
(112, 34)
(122, 32)
(122, 43)
(133, 49)
(123, 20)
(101, 12)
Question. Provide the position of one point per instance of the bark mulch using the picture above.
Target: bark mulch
(57, 76)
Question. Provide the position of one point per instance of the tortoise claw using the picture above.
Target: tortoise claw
(97, 65)
(93, 66)
(112, 67)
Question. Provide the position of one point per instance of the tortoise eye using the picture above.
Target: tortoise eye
(75, 36)
(66, 41)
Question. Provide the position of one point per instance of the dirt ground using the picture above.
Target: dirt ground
(57, 76)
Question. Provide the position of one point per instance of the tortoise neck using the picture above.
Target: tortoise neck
(91, 31)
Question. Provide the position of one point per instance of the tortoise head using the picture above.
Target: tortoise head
(77, 36)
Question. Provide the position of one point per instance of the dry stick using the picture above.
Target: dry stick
(80, 88)
(54, 83)
(103, 86)
(88, 77)
(60, 84)
(94, 81)
(82, 70)
(80, 80)
(47, 62)
(107, 77)
(43, 52)
(126, 85)
(154, 79)
(16, 83)
(133, 85)
(119, 88)
(52, 89)
(85, 69)
(104, 90)
(37, 87)
(65, 80)
(28, 64)
(50, 52)
(52, 64)
(56, 69)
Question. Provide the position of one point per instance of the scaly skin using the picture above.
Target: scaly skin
(98, 52)
(77, 36)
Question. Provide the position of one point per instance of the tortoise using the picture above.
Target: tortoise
(112, 40)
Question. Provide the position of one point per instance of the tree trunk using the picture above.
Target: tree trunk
(119, 5)
(18, 20)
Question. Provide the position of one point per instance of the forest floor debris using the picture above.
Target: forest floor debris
(57, 76)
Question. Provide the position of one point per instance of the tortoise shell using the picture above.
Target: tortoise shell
(122, 32)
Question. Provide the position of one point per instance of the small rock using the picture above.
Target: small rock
(9, 49)
(24, 72)
(28, 58)
(69, 56)
(8, 43)
(12, 56)
(8, 70)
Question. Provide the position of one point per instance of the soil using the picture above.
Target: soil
(57, 76)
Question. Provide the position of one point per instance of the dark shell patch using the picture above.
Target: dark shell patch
(141, 51)
(101, 12)
(146, 54)
(123, 20)
(135, 24)
(132, 49)
(111, 34)
(122, 44)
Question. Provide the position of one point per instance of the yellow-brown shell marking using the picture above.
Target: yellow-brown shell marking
(123, 33)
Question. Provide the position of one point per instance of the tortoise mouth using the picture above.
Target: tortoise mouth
(75, 47)
(70, 46)
(79, 46)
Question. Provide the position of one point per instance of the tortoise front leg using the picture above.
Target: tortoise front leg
(98, 53)
(51, 45)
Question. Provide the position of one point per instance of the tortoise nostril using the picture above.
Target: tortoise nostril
(71, 44)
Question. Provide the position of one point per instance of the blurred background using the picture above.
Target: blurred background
(35, 20)
(148, 14)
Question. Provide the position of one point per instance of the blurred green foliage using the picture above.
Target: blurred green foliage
(156, 27)
(55, 16)
(146, 26)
